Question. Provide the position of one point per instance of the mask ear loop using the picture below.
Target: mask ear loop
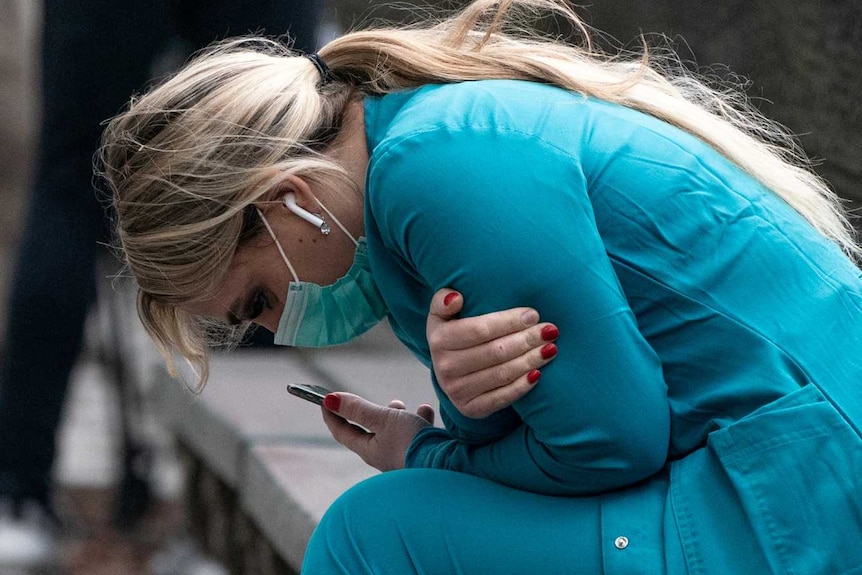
(290, 203)
(337, 223)
(278, 245)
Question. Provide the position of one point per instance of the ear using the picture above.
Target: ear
(285, 184)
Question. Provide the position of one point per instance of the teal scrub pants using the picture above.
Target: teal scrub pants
(430, 521)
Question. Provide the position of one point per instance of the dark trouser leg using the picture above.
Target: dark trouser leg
(94, 55)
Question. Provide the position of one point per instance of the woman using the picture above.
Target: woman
(702, 415)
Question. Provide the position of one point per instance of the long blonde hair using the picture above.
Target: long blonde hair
(187, 161)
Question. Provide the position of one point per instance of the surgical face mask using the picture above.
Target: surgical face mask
(321, 316)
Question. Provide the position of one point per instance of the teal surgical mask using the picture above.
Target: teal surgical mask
(322, 316)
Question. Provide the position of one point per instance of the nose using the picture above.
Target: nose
(269, 318)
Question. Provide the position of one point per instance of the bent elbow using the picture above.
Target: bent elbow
(644, 463)
(638, 454)
(611, 463)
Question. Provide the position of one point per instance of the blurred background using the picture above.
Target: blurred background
(801, 63)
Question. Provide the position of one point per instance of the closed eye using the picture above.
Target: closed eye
(256, 306)
(248, 308)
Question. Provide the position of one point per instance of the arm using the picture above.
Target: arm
(517, 228)
(475, 349)
(485, 363)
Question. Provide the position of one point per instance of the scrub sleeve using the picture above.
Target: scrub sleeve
(598, 419)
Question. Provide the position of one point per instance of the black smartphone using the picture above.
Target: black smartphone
(312, 393)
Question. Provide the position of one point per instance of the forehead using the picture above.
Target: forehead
(236, 284)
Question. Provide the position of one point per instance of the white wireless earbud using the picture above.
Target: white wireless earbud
(290, 203)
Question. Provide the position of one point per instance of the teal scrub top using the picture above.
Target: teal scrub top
(695, 307)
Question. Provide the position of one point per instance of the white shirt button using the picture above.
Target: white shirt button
(621, 542)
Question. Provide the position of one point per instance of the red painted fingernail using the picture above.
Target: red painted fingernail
(450, 297)
(332, 402)
(534, 376)
(549, 351)
(550, 332)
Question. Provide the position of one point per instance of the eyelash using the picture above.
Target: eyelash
(255, 308)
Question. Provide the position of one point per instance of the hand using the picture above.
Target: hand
(388, 430)
(486, 363)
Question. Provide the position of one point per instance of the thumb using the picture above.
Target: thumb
(354, 408)
(446, 304)
(426, 412)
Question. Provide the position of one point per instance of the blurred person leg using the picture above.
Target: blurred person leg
(93, 55)
(18, 19)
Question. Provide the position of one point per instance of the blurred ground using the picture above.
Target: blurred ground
(92, 546)
(87, 473)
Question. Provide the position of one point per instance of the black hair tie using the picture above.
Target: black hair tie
(325, 73)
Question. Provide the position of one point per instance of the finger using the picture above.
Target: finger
(472, 331)
(458, 363)
(397, 404)
(345, 433)
(446, 303)
(502, 397)
(356, 409)
(478, 392)
(426, 412)
(506, 373)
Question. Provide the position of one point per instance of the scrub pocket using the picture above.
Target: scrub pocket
(796, 466)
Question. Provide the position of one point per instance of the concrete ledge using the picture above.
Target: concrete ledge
(275, 462)
(245, 401)
(287, 490)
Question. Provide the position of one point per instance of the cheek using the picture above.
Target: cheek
(333, 259)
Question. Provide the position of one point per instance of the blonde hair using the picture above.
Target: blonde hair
(188, 160)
